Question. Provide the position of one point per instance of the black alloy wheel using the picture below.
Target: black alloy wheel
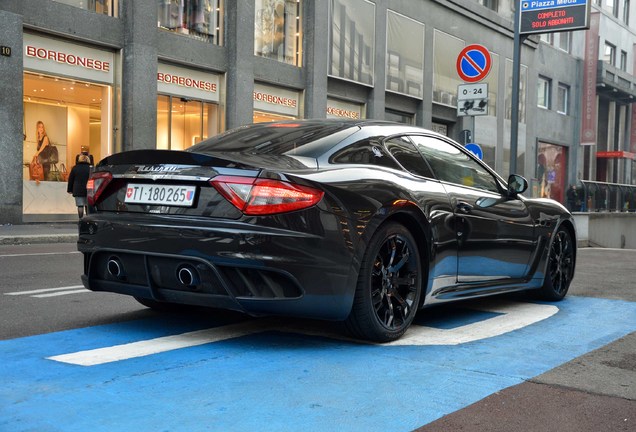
(560, 269)
(389, 286)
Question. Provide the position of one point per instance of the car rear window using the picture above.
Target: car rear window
(288, 138)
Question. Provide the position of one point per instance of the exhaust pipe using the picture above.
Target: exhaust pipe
(115, 268)
(188, 276)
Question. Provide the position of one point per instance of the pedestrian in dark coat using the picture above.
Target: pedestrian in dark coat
(77, 179)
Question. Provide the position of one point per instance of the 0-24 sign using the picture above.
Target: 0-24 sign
(472, 91)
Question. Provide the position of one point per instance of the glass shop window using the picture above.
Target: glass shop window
(198, 19)
(278, 30)
(183, 122)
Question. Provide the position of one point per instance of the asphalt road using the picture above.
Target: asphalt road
(40, 294)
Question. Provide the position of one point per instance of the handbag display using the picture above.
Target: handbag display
(54, 174)
(64, 172)
(49, 155)
(36, 171)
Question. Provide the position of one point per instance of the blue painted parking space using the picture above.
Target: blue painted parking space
(180, 374)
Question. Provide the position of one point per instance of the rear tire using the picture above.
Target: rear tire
(389, 286)
(560, 268)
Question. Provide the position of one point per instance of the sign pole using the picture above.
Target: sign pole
(516, 71)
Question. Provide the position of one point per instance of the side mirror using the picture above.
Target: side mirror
(517, 184)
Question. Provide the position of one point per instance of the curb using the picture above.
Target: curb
(38, 239)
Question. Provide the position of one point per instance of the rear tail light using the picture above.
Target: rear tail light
(265, 196)
(96, 185)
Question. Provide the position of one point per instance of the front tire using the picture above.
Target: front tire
(560, 268)
(389, 286)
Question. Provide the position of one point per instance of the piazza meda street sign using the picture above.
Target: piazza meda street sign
(546, 16)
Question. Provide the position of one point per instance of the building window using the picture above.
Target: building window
(352, 40)
(183, 122)
(405, 55)
(75, 116)
(105, 7)
(198, 19)
(398, 116)
(547, 38)
(543, 92)
(277, 30)
(523, 85)
(565, 41)
(611, 6)
(490, 4)
(609, 55)
(623, 64)
(626, 12)
(445, 78)
(563, 99)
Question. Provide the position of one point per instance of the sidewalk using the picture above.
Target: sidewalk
(57, 232)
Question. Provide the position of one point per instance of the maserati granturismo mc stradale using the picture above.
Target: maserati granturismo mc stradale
(364, 222)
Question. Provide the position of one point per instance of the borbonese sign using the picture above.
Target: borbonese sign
(546, 16)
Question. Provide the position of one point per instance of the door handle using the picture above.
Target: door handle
(463, 207)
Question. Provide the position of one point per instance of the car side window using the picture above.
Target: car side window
(407, 155)
(364, 152)
(451, 165)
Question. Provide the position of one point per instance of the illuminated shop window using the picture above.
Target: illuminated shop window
(198, 19)
(405, 55)
(73, 113)
(183, 122)
(262, 117)
(69, 116)
(352, 39)
(278, 30)
(105, 7)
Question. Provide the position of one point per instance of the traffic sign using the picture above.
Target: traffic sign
(548, 16)
(475, 149)
(472, 99)
(472, 91)
(473, 63)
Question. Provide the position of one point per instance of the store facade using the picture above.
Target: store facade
(167, 76)
(68, 90)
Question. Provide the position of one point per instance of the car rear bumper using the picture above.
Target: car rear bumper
(229, 265)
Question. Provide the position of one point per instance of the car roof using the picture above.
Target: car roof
(310, 138)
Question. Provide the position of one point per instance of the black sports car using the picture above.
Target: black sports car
(360, 221)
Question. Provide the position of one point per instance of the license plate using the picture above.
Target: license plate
(171, 195)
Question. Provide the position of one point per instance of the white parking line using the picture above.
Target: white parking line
(513, 316)
(50, 292)
(167, 343)
(61, 293)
